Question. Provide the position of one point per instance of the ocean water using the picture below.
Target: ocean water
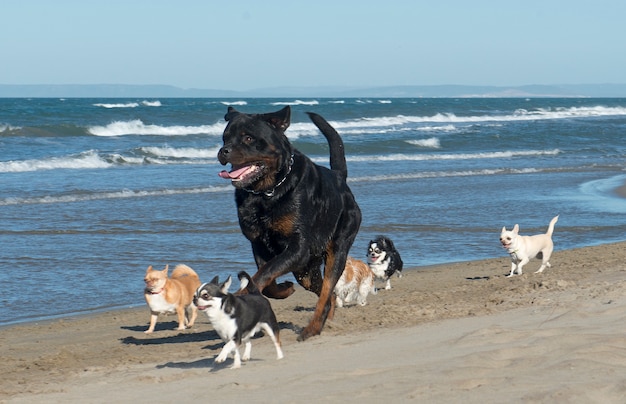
(92, 191)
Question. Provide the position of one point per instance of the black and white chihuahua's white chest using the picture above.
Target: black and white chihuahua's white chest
(380, 268)
(235, 320)
(224, 323)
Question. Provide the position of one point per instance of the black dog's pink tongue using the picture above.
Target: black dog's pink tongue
(233, 174)
(224, 174)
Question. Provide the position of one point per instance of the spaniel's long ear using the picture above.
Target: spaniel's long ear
(390, 243)
(232, 112)
(279, 119)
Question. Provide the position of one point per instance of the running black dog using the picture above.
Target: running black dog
(296, 214)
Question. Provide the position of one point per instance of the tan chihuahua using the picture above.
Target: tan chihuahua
(171, 295)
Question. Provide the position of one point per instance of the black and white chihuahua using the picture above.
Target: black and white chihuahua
(384, 260)
(236, 318)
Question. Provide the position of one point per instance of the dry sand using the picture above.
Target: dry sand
(461, 332)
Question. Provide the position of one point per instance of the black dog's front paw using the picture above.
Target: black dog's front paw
(309, 331)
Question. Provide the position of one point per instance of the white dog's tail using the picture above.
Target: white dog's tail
(551, 226)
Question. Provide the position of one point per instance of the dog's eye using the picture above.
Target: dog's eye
(247, 139)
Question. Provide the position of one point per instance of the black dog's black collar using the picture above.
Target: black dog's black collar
(271, 192)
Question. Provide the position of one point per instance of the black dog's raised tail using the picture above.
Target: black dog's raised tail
(337, 153)
(247, 283)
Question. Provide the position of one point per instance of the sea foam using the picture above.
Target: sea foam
(442, 174)
(137, 127)
(122, 194)
(181, 152)
(449, 156)
(432, 143)
(86, 160)
(128, 104)
(450, 118)
(296, 102)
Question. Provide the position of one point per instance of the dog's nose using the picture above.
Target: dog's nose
(223, 155)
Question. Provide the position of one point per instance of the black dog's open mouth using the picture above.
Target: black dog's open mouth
(243, 174)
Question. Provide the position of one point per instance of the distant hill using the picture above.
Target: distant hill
(106, 91)
(427, 91)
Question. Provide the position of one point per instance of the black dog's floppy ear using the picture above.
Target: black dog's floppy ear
(232, 112)
(279, 119)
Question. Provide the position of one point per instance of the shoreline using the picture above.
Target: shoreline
(428, 314)
(610, 190)
(142, 306)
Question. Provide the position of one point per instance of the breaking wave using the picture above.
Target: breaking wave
(442, 174)
(181, 152)
(432, 143)
(452, 156)
(126, 193)
(137, 127)
(128, 104)
(86, 160)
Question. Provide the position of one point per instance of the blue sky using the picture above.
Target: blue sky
(250, 44)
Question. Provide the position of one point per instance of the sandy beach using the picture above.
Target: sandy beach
(460, 332)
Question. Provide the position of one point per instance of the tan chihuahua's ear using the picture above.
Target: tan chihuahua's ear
(516, 229)
(167, 267)
(149, 269)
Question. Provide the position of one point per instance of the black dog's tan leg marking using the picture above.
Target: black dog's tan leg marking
(279, 291)
(337, 266)
(310, 277)
(325, 307)
(266, 281)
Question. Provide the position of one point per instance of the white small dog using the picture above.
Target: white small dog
(523, 248)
